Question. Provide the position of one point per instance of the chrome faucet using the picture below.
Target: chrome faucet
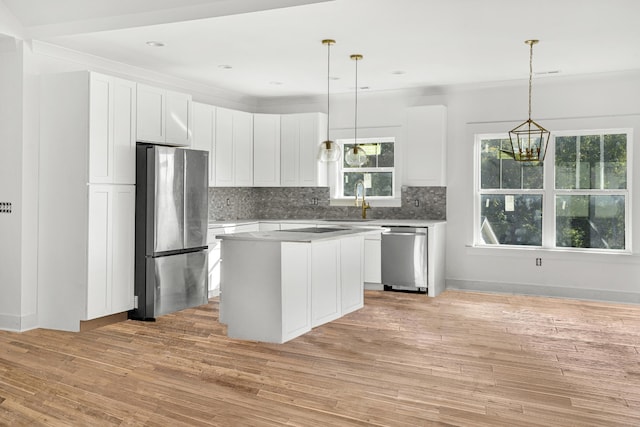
(365, 205)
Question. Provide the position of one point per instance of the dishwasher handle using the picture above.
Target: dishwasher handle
(404, 231)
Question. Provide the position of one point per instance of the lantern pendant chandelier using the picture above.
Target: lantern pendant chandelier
(356, 156)
(329, 150)
(529, 140)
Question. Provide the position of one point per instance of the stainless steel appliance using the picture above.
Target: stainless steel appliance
(171, 230)
(404, 259)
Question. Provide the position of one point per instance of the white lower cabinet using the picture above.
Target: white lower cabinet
(351, 274)
(337, 278)
(110, 258)
(325, 284)
(274, 291)
(296, 289)
(372, 258)
(214, 258)
(86, 256)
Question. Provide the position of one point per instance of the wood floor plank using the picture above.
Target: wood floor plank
(461, 359)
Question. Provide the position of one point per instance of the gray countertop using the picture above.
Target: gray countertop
(301, 235)
(333, 222)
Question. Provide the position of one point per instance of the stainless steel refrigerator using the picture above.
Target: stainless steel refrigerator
(171, 230)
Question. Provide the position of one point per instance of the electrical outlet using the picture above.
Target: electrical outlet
(416, 203)
(5, 207)
(539, 262)
(228, 202)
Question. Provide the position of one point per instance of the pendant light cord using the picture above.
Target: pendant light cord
(355, 131)
(328, 79)
(530, 74)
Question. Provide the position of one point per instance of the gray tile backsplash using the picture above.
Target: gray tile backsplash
(229, 203)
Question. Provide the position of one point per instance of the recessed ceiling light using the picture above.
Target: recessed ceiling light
(334, 78)
(225, 66)
(398, 72)
(154, 43)
(274, 83)
(364, 88)
(544, 73)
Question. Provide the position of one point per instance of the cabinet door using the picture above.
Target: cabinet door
(178, 119)
(203, 134)
(351, 272)
(122, 249)
(100, 129)
(310, 170)
(224, 147)
(266, 150)
(124, 132)
(242, 148)
(372, 260)
(150, 113)
(426, 144)
(110, 261)
(296, 289)
(289, 149)
(325, 282)
(214, 260)
(99, 251)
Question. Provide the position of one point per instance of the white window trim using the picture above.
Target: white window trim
(381, 201)
(549, 193)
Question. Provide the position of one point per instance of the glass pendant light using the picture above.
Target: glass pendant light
(356, 156)
(529, 140)
(329, 150)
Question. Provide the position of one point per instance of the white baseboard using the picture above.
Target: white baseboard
(545, 290)
(13, 323)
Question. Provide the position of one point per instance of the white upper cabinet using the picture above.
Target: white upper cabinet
(112, 130)
(301, 136)
(178, 119)
(163, 116)
(203, 134)
(425, 149)
(233, 148)
(97, 114)
(243, 148)
(266, 150)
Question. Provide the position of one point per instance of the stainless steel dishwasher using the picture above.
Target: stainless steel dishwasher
(404, 259)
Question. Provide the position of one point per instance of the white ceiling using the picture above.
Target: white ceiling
(275, 48)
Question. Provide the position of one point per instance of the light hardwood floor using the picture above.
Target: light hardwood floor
(464, 359)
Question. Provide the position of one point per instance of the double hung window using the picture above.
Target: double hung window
(577, 198)
(377, 173)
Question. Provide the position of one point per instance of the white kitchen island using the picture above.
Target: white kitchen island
(277, 285)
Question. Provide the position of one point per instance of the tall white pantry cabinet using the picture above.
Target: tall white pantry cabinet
(87, 198)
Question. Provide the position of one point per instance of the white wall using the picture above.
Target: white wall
(11, 182)
(558, 103)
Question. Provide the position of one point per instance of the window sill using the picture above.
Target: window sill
(568, 254)
(374, 203)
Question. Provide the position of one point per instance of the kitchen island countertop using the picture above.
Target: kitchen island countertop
(334, 222)
(299, 235)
